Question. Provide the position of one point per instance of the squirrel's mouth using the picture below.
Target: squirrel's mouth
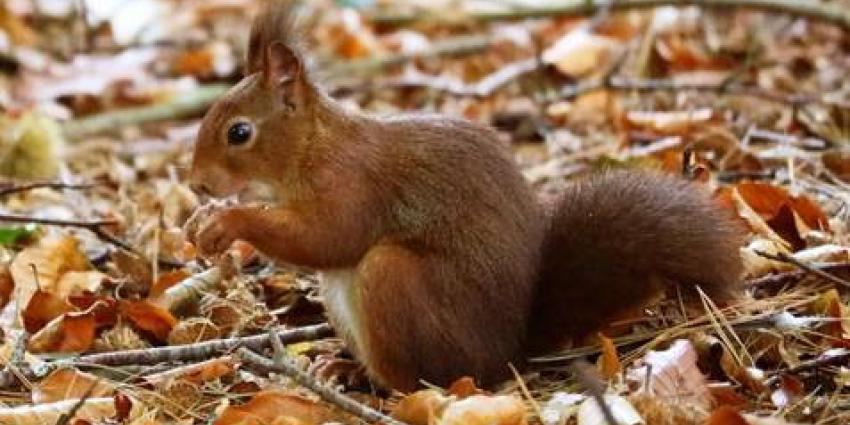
(256, 191)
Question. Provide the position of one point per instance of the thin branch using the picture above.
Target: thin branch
(828, 12)
(790, 277)
(302, 378)
(14, 189)
(95, 227)
(88, 225)
(190, 103)
(785, 258)
(621, 84)
(185, 353)
(482, 88)
(837, 357)
(65, 419)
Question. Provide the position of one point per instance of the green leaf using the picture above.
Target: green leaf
(356, 4)
(11, 235)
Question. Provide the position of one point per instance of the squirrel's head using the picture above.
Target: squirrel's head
(252, 131)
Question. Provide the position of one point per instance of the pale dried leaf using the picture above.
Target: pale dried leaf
(673, 374)
(485, 410)
(580, 53)
(624, 413)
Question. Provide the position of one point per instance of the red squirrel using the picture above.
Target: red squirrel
(437, 259)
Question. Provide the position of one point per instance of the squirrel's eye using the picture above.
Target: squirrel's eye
(239, 133)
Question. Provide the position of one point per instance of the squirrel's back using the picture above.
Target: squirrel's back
(618, 238)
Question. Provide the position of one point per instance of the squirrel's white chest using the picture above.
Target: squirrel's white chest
(341, 301)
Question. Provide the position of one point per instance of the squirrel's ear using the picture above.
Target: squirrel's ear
(281, 64)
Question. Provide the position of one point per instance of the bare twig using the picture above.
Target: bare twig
(482, 88)
(785, 258)
(835, 357)
(828, 12)
(191, 288)
(65, 419)
(12, 188)
(302, 378)
(95, 227)
(620, 84)
(185, 353)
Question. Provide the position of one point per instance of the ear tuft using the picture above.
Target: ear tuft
(276, 23)
(282, 64)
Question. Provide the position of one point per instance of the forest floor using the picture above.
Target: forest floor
(101, 103)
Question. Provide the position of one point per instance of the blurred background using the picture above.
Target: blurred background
(100, 102)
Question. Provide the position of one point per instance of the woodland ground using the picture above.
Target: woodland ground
(101, 101)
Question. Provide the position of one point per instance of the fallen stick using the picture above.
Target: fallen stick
(302, 378)
(833, 13)
(182, 105)
(482, 88)
(12, 188)
(198, 351)
(620, 84)
(95, 227)
(785, 258)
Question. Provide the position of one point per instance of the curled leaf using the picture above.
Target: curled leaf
(268, 406)
(67, 383)
(148, 317)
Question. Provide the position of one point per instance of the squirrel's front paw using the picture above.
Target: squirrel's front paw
(217, 232)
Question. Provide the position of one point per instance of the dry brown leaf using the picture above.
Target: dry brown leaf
(685, 54)
(270, 406)
(725, 415)
(79, 282)
(421, 408)
(7, 285)
(750, 216)
(750, 377)
(42, 308)
(148, 317)
(197, 373)
(69, 333)
(198, 62)
(105, 309)
(464, 387)
(14, 26)
(609, 361)
(769, 201)
(429, 407)
(167, 280)
(43, 266)
(67, 383)
(93, 410)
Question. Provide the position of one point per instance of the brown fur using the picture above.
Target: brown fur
(429, 220)
(618, 238)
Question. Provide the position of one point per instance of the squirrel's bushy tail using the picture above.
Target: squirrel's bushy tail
(618, 238)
